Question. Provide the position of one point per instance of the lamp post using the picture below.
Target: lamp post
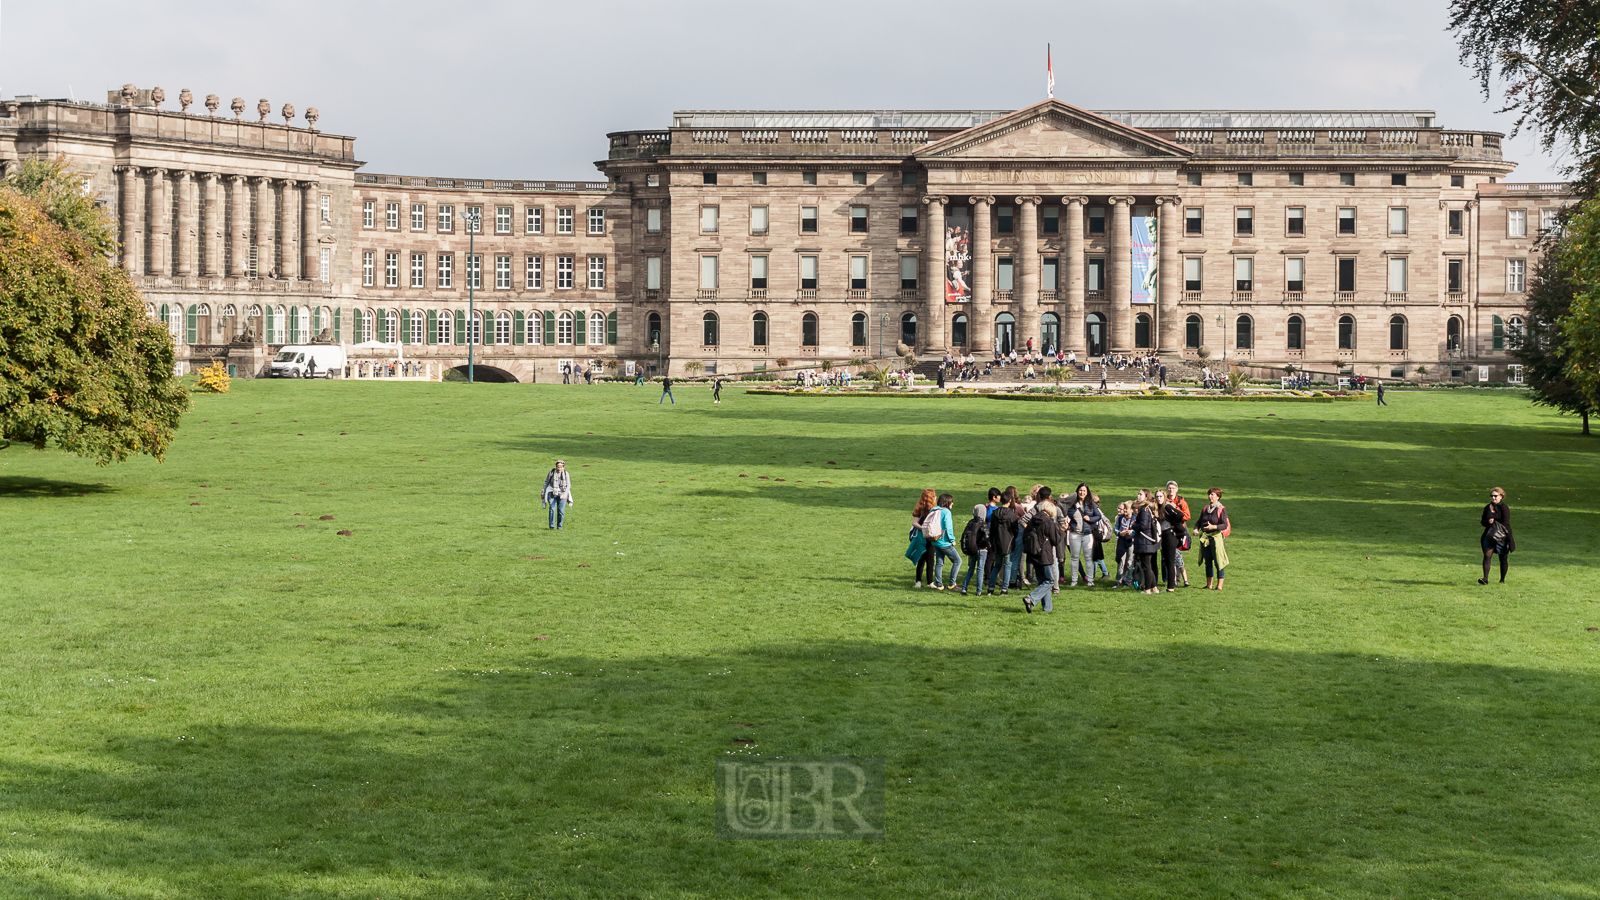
(1222, 336)
(656, 346)
(883, 324)
(472, 217)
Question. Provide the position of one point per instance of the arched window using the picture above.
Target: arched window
(1193, 332)
(758, 330)
(808, 330)
(653, 328)
(1452, 333)
(1005, 332)
(1514, 329)
(1347, 332)
(447, 327)
(419, 326)
(229, 310)
(597, 329)
(1397, 332)
(1049, 332)
(535, 328)
(1244, 333)
(502, 327)
(958, 330)
(1297, 333)
(1094, 333)
(366, 326)
(191, 324)
(391, 326)
(203, 324)
(278, 320)
(475, 328)
(564, 328)
(908, 329)
(708, 330)
(174, 317)
(1141, 331)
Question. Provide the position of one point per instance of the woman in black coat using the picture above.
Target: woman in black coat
(1146, 542)
(1497, 537)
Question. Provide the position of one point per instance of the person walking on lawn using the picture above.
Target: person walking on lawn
(942, 543)
(1039, 543)
(666, 392)
(1497, 538)
(557, 494)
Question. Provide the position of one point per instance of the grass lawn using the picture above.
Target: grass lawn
(207, 692)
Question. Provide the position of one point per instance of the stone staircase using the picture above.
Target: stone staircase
(1178, 368)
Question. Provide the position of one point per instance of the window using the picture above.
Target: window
(1050, 274)
(958, 330)
(908, 329)
(808, 273)
(597, 329)
(758, 273)
(858, 330)
(502, 220)
(652, 220)
(1516, 223)
(1097, 220)
(1514, 333)
(1004, 274)
(1141, 331)
(564, 220)
(908, 220)
(419, 323)
(909, 179)
(908, 273)
(1347, 220)
(1347, 332)
(1297, 178)
(1244, 220)
(1458, 181)
(708, 219)
(326, 207)
(533, 276)
(391, 269)
(652, 181)
(758, 330)
(808, 178)
(1297, 333)
(533, 220)
(563, 273)
(564, 328)
(1397, 332)
(325, 264)
(1347, 179)
(1194, 221)
(708, 178)
(367, 257)
(1513, 374)
(366, 325)
(1191, 273)
(419, 217)
(808, 330)
(1095, 275)
(419, 268)
(1347, 274)
(1547, 219)
(1398, 179)
(858, 178)
(708, 273)
(758, 220)
(1246, 179)
(502, 324)
(474, 219)
(447, 222)
(1454, 217)
(1452, 333)
(758, 178)
(1296, 221)
(533, 328)
(475, 271)
(1294, 274)
(1397, 274)
(1397, 220)
(447, 327)
(447, 263)
(1052, 220)
(1244, 269)
(1244, 333)
(708, 330)
(1194, 179)
(1453, 271)
(808, 220)
(391, 216)
(597, 273)
(652, 273)
(597, 221)
(1192, 333)
(1498, 332)
(368, 213)
(858, 220)
(858, 273)
(502, 273)
(1516, 280)
(1006, 219)
(653, 327)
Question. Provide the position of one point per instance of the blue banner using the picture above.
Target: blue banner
(1143, 259)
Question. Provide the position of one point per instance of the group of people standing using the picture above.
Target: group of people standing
(1043, 538)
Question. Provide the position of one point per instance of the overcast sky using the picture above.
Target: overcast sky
(502, 89)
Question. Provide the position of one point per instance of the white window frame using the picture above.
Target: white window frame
(369, 214)
(1399, 274)
(1399, 220)
(419, 217)
(760, 220)
(447, 271)
(419, 326)
(475, 271)
(447, 327)
(597, 273)
(419, 270)
(534, 273)
(502, 328)
(1516, 276)
(533, 328)
(564, 329)
(597, 220)
(474, 217)
(652, 273)
(533, 220)
(447, 218)
(710, 218)
(502, 220)
(652, 220)
(709, 272)
(391, 268)
(564, 273)
(1244, 269)
(325, 207)
(391, 216)
(502, 273)
(564, 219)
(1516, 223)
(369, 264)
(597, 329)
(325, 264)
(1514, 374)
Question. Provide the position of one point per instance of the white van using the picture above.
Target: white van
(295, 361)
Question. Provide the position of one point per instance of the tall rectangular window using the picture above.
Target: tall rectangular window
(758, 273)
(708, 272)
(447, 273)
(858, 273)
(1051, 223)
(447, 219)
(367, 266)
(597, 221)
(808, 220)
(419, 217)
(475, 271)
(1516, 275)
(597, 273)
(502, 270)
(1194, 221)
(758, 220)
(1294, 274)
(1296, 220)
(1191, 273)
(652, 220)
(369, 213)
(1097, 220)
(502, 220)
(1453, 276)
(419, 267)
(1244, 274)
(808, 273)
(1347, 220)
(1397, 220)
(652, 273)
(533, 275)
(475, 220)
(858, 220)
(1547, 219)
(325, 264)
(1347, 274)
(1397, 274)
(533, 220)
(564, 220)
(708, 219)
(391, 269)
(1050, 274)
(1095, 274)
(391, 216)
(563, 273)
(1004, 272)
(908, 220)
(1005, 219)
(1516, 223)
(1244, 220)
(326, 208)
(908, 273)
(1455, 219)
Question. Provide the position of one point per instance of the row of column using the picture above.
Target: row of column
(1070, 274)
(288, 201)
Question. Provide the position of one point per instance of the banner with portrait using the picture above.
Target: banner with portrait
(1143, 259)
(958, 256)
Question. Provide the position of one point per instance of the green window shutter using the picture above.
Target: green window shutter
(550, 328)
(518, 324)
(191, 325)
(611, 328)
(163, 314)
(267, 337)
(405, 326)
(338, 316)
(1499, 333)
(580, 328)
(433, 326)
(461, 326)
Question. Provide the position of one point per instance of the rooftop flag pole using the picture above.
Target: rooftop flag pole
(1049, 74)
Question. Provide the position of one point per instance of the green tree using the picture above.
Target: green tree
(60, 190)
(81, 363)
(1550, 296)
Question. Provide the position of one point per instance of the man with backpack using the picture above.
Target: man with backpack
(557, 494)
(1039, 543)
(975, 541)
(937, 527)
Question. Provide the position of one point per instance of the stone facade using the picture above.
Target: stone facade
(1370, 242)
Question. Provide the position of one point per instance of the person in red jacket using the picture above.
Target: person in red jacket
(1176, 499)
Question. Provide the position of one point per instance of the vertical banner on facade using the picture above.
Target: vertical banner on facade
(958, 257)
(1143, 260)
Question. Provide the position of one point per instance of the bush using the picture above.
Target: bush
(214, 378)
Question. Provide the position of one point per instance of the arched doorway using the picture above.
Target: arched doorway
(1452, 334)
(1049, 332)
(1141, 331)
(958, 330)
(908, 329)
(1094, 333)
(1005, 333)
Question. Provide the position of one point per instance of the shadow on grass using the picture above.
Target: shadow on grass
(1185, 772)
(49, 488)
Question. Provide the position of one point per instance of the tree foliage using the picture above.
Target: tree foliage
(1579, 325)
(81, 363)
(59, 189)
(1550, 295)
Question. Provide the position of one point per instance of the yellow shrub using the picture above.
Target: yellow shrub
(214, 378)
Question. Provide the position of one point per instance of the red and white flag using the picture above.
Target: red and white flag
(1049, 74)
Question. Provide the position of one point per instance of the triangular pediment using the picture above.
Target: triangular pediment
(1053, 130)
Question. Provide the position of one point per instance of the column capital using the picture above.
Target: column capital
(184, 174)
(1168, 201)
(310, 185)
(1120, 201)
(1075, 201)
(936, 200)
(985, 200)
(260, 179)
(1472, 204)
(236, 178)
(122, 168)
(1029, 201)
(157, 171)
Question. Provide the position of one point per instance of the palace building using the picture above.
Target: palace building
(1367, 242)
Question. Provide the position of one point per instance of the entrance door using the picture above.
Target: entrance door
(1005, 327)
(1049, 332)
(1094, 332)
